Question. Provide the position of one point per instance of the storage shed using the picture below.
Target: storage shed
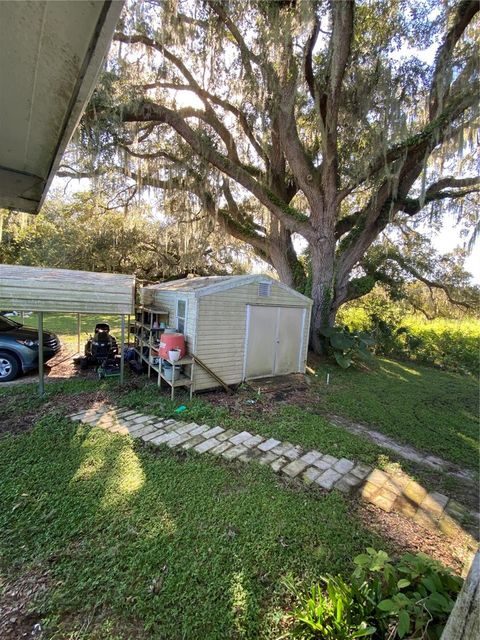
(241, 327)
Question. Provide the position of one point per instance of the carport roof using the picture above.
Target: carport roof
(51, 53)
(25, 288)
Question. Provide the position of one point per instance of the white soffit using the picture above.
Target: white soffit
(51, 52)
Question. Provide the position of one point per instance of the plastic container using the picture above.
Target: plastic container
(171, 341)
(174, 355)
(168, 370)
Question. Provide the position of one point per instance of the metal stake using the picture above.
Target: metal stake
(78, 333)
(41, 382)
(122, 352)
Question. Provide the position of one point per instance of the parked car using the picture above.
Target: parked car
(19, 348)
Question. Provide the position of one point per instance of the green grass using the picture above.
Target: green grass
(65, 325)
(432, 410)
(184, 547)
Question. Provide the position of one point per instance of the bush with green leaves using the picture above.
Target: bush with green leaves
(447, 343)
(348, 346)
(411, 598)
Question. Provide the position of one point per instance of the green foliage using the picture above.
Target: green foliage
(451, 344)
(412, 597)
(332, 610)
(348, 346)
(94, 231)
(447, 343)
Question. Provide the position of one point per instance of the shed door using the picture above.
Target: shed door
(274, 340)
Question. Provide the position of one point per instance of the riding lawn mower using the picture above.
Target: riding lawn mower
(101, 350)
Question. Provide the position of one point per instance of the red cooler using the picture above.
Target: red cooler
(170, 341)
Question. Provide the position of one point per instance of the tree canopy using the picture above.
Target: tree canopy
(347, 125)
(94, 231)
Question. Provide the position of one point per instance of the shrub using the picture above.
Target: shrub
(412, 598)
(348, 346)
(446, 343)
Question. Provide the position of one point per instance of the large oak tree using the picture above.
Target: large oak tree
(329, 121)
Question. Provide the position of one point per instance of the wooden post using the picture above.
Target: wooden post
(464, 620)
(122, 348)
(78, 332)
(41, 382)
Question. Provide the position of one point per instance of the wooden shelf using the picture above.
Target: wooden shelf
(183, 381)
(155, 310)
(142, 342)
(177, 363)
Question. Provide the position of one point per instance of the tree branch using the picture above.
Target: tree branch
(433, 134)
(436, 192)
(442, 74)
(430, 283)
(147, 112)
(310, 45)
(329, 103)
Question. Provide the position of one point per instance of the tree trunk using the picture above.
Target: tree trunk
(323, 309)
(286, 263)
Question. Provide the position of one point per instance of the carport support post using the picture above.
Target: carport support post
(41, 384)
(122, 348)
(78, 333)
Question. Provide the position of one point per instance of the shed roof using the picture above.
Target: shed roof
(207, 285)
(51, 55)
(25, 288)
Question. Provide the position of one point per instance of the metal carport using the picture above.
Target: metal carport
(82, 292)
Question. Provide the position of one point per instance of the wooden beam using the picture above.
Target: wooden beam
(212, 373)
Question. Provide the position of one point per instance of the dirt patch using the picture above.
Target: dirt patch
(407, 536)
(12, 423)
(23, 609)
(21, 606)
(61, 367)
(263, 397)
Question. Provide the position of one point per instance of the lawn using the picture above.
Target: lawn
(129, 541)
(432, 410)
(65, 325)
(181, 547)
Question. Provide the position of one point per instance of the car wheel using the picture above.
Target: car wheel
(9, 366)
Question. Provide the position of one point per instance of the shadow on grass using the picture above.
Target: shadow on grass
(182, 545)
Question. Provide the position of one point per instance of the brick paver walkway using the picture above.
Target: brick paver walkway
(390, 492)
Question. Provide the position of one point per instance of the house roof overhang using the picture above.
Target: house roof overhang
(51, 53)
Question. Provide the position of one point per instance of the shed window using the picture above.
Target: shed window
(181, 315)
(264, 289)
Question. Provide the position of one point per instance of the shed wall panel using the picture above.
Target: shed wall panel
(168, 300)
(222, 326)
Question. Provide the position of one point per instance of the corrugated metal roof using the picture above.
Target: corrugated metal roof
(24, 288)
